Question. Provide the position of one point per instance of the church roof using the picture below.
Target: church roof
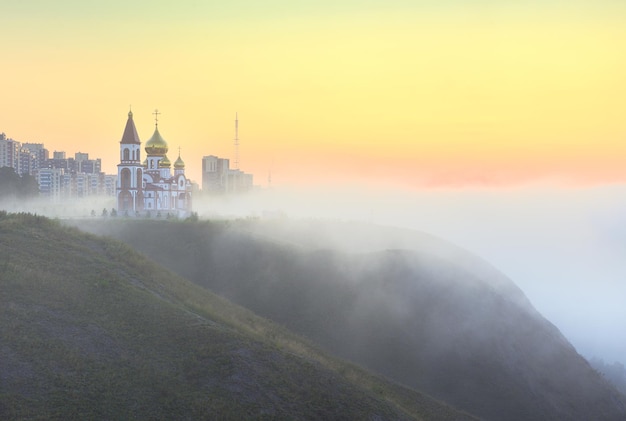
(164, 162)
(130, 132)
(179, 163)
(156, 145)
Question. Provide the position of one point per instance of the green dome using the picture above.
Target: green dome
(156, 145)
(179, 164)
(164, 162)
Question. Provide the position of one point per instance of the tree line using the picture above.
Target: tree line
(14, 185)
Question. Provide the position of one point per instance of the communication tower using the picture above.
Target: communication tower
(236, 161)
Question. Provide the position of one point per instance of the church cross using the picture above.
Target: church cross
(156, 117)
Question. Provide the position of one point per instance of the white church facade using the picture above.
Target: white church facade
(149, 187)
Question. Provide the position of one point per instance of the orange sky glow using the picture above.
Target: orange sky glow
(401, 93)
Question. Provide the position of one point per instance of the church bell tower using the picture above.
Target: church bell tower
(130, 171)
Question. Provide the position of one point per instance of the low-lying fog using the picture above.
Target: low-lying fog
(565, 248)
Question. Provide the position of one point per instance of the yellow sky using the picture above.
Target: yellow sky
(400, 93)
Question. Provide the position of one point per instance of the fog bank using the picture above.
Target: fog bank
(563, 247)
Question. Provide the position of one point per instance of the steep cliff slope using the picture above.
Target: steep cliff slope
(406, 305)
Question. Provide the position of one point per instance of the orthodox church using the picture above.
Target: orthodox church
(150, 186)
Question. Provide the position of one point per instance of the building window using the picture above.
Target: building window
(125, 178)
(139, 178)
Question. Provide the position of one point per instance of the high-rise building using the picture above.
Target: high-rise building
(28, 162)
(218, 177)
(109, 184)
(86, 165)
(85, 184)
(59, 177)
(239, 182)
(52, 182)
(41, 153)
(69, 165)
(9, 153)
(81, 156)
(214, 174)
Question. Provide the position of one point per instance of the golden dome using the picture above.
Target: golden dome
(164, 162)
(179, 164)
(156, 145)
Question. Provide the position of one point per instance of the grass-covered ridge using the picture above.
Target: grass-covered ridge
(409, 306)
(90, 329)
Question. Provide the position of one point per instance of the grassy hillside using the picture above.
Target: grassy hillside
(431, 317)
(90, 329)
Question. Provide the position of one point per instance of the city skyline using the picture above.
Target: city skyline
(408, 94)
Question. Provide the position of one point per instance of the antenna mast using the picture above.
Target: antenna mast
(236, 163)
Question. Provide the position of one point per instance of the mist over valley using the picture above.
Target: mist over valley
(563, 247)
(405, 304)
